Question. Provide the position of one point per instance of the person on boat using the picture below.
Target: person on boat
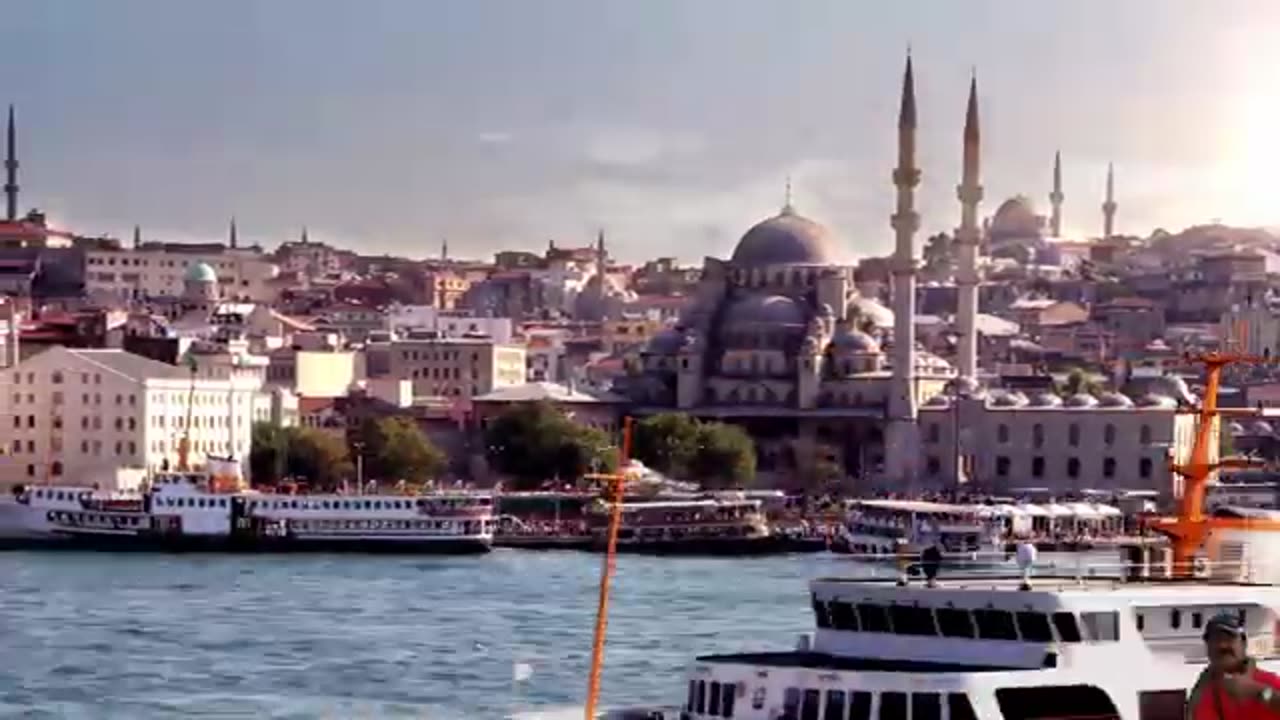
(1232, 687)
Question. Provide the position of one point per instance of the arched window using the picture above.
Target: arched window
(57, 377)
(1108, 467)
(1144, 467)
(1073, 467)
(935, 433)
(56, 468)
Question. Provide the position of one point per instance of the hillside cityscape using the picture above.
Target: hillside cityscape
(1000, 355)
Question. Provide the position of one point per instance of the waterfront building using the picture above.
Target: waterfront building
(448, 367)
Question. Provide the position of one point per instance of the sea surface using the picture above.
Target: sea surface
(138, 636)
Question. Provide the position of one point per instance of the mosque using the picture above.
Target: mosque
(778, 340)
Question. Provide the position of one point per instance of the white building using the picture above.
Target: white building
(160, 270)
(98, 416)
(447, 323)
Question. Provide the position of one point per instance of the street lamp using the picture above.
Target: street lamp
(359, 448)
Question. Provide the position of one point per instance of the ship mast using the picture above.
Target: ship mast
(1190, 527)
(614, 483)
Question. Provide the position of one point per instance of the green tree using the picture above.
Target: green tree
(268, 449)
(395, 448)
(318, 456)
(534, 442)
(725, 458)
(1077, 382)
(937, 254)
(666, 442)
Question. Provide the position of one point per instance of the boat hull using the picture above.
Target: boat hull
(727, 547)
(225, 544)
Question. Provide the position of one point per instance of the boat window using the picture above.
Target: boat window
(700, 697)
(1034, 627)
(791, 702)
(959, 707)
(1101, 626)
(821, 613)
(909, 620)
(835, 705)
(1065, 624)
(1175, 618)
(1243, 619)
(713, 698)
(955, 623)
(727, 696)
(1141, 621)
(859, 705)
(1162, 705)
(926, 706)
(1197, 619)
(893, 705)
(995, 625)
(843, 616)
(873, 618)
(812, 704)
(1059, 701)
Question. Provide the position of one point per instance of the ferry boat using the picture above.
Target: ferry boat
(709, 526)
(186, 511)
(885, 529)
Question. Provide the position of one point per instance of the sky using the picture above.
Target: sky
(391, 125)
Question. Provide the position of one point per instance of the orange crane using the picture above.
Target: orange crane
(1189, 529)
(184, 442)
(614, 485)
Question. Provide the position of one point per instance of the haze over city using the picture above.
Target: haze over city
(386, 126)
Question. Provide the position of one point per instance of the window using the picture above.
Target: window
(1073, 434)
(713, 698)
(700, 698)
(1037, 435)
(1002, 466)
(926, 706)
(835, 706)
(820, 613)
(56, 468)
(955, 623)
(57, 377)
(959, 707)
(1037, 466)
(873, 618)
(1073, 467)
(1197, 619)
(1109, 434)
(1002, 433)
(933, 465)
(1144, 467)
(911, 620)
(1034, 627)
(995, 625)
(859, 705)
(842, 616)
(812, 704)
(791, 702)
(1162, 704)
(1144, 435)
(1028, 703)
(1108, 467)
(1101, 626)
(935, 433)
(1175, 618)
(727, 697)
(893, 705)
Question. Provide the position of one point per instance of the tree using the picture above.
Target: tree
(1077, 382)
(534, 442)
(394, 448)
(725, 457)
(666, 442)
(318, 456)
(937, 254)
(267, 453)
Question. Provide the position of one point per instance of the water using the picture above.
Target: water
(156, 636)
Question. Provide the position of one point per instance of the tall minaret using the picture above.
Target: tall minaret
(137, 236)
(1056, 197)
(902, 438)
(305, 240)
(11, 171)
(444, 249)
(232, 239)
(969, 193)
(1109, 206)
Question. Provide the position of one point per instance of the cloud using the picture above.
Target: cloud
(495, 137)
(638, 147)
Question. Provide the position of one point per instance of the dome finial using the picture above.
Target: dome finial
(787, 207)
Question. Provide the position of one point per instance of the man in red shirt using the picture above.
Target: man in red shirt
(1232, 688)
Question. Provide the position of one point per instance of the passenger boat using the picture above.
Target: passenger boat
(710, 526)
(186, 511)
(886, 529)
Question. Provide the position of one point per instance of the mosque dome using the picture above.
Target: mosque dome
(855, 341)
(766, 309)
(963, 387)
(201, 273)
(1115, 400)
(872, 310)
(1046, 400)
(1082, 400)
(1016, 216)
(1009, 400)
(786, 239)
(1155, 400)
(1261, 427)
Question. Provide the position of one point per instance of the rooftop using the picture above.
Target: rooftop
(128, 365)
(548, 391)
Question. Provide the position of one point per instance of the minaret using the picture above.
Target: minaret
(137, 236)
(969, 193)
(1056, 197)
(902, 438)
(304, 235)
(1109, 206)
(444, 249)
(11, 171)
(602, 288)
(231, 234)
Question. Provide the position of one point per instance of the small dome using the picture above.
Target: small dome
(1155, 400)
(786, 239)
(201, 273)
(1173, 386)
(938, 401)
(855, 341)
(1115, 400)
(665, 342)
(766, 309)
(866, 308)
(963, 387)
(1083, 400)
(1261, 427)
(1009, 400)
(1046, 400)
(1235, 428)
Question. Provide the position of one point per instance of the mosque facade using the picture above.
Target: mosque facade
(778, 340)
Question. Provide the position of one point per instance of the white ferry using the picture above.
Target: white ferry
(887, 528)
(185, 511)
(722, 525)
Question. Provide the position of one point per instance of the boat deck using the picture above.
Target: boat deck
(822, 661)
(1055, 583)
